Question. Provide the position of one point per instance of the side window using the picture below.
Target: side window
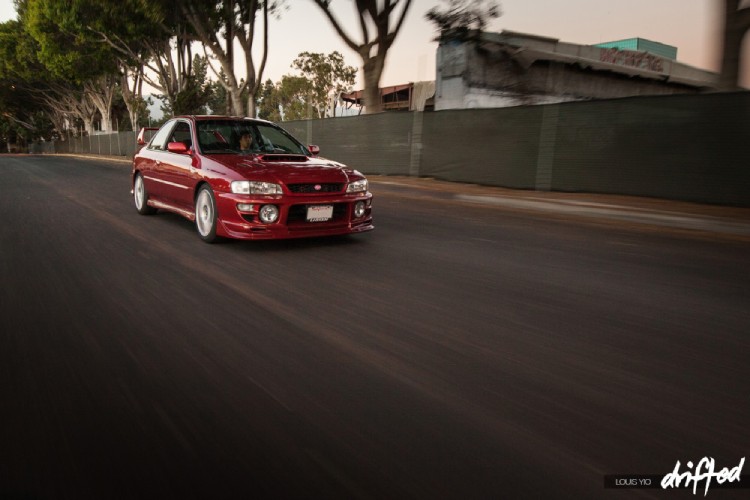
(181, 133)
(160, 139)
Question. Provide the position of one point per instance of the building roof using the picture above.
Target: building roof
(526, 49)
(643, 45)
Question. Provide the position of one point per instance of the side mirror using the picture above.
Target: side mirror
(315, 150)
(177, 147)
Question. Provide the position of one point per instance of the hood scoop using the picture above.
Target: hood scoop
(284, 158)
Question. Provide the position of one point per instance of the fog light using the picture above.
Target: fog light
(359, 209)
(269, 213)
(245, 207)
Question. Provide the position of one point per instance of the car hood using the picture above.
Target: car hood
(287, 169)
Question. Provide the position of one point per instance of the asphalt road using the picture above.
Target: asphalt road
(457, 351)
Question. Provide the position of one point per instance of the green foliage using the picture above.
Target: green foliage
(329, 77)
(269, 102)
(121, 116)
(21, 118)
(67, 47)
(463, 19)
(289, 99)
(21, 113)
(18, 53)
(311, 95)
(217, 97)
(295, 95)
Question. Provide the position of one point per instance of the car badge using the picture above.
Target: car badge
(318, 187)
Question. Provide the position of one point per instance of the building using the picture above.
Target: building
(414, 96)
(510, 69)
(642, 45)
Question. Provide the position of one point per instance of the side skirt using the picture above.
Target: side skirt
(188, 214)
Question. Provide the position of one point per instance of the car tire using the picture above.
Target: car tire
(140, 196)
(205, 214)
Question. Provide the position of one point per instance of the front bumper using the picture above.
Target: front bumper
(292, 222)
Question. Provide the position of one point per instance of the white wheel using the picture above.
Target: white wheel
(205, 214)
(140, 196)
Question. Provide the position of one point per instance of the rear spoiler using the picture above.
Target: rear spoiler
(142, 139)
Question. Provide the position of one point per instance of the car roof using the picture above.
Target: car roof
(222, 117)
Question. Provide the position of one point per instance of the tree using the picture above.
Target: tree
(329, 77)
(295, 96)
(18, 121)
(131, 92)
(289, 99)
(151, 42)
(59, 28)
(218, 103)
(378, 35)
(463, 19)
(122, 113)
(736, 26)
(217, 25)
(269, 102)
(193, 98)
(23, 80)
(65, 99)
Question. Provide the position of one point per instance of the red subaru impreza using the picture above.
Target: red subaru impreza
(247, 179)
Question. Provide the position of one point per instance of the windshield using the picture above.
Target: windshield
(245, 137)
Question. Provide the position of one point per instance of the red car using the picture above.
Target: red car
(247, 179)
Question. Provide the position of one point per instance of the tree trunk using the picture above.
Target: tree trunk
(58, 120)
(373, 69)
(730, 61)
(235, 96)
(88, 125)
(100, 93)
(736, 25)
(129, 97)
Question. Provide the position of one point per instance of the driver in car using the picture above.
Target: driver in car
(246, 142)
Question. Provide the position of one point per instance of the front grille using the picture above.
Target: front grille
(298, 213)
(310, 188)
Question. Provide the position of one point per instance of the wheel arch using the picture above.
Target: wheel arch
(198, 186)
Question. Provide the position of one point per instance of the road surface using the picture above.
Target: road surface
(460, 350)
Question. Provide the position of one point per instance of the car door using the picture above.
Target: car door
(179, 171)
(152, 156)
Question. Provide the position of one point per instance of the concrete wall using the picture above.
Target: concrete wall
(690, 148)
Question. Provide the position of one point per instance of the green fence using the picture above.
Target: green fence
(117, 144)
(676, 147)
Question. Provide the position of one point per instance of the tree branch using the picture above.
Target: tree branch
(323, 4)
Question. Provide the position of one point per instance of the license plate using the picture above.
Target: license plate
(319, 213)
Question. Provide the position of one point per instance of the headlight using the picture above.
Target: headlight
(252, 187)
(357, 186)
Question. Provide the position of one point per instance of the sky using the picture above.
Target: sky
(693, 26)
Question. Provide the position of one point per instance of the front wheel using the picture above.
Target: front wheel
(140, 196)
(205, 214)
